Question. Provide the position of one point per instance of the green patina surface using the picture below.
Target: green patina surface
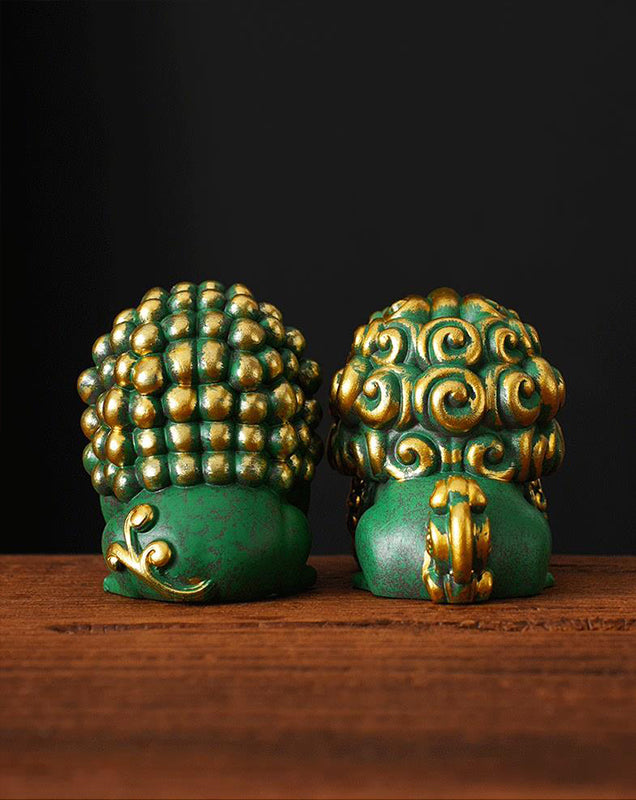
(248, 542)
(391, 539)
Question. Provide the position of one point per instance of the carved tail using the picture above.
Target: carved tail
(147, 563)
(457, 543)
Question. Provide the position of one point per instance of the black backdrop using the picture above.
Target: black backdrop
(333, 158)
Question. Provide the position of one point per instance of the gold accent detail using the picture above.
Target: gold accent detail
(143, 412)
(454, 566)
(147, 375)
(251, 438)
(452, 388)
(179, 359)
(154, 556)
(213, 361)
(180, 403)
(246, 368)
(219, 436)
(536, 495)
(252, 407)
(145, 339)
(448, 339)
(415, 458)
(216, 402)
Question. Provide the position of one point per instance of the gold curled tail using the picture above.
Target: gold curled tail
(457, 543)
(154, 556)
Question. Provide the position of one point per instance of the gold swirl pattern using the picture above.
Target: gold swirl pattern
(449, 340)
(153, 557)
(457, 383)
(201, 384)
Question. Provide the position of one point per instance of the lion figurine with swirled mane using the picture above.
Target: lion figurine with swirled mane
(444, 415)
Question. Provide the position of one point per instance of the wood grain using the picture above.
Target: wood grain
(333, 693)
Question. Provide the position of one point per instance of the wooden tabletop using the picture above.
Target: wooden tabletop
(334, 693)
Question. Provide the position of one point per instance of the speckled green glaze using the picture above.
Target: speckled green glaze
(248, 542)
(391, 539)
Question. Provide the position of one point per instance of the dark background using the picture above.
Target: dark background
(333, 158)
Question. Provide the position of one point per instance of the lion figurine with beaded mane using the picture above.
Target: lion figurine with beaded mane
(202, 427)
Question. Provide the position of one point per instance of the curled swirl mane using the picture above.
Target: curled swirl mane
(446, 383)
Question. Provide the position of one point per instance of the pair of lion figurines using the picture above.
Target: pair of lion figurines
(202, 423)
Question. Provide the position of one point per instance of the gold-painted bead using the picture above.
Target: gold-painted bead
(120, 336)
(295, 341)
(214, 286)
(119, 448)
(269, 310)
(295, 462)
(146, 339)
(89, 459)
(115, 409)
(157, 293)
(179, 326)
(218, 468)
(290, 364)
(185, 468)
(246, 371)
(89, 385)
(181, 301)
(209, 298)
(180, 403)
(123, 370)
(154, 473)
(245, 334)
(283, 399)
(312, 412)
(89, 422)
(184, 286)
(242, 306)
(309, 375)
(99, 406)
(283, 441)
(308, 469)
(272, 363)
(125, 484)
(149, 442)
(216, 435)
(274, 330)
(213, 324)
(101, 348)
(150, 311)
(99, 442)
(148, 375)
(251, 468)
(238, 289)
(215, 402)
(100, 480)
(252, 407)
(127, 315)
(303, 432)
(145, 412)
(212, 360)
(179, 359)
(250, 438)
(281, 476)
(106, 371)
(183, 437)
